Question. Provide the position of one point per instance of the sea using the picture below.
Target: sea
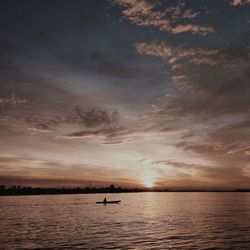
(151, 220)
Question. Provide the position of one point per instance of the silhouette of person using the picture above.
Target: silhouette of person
(105, 200)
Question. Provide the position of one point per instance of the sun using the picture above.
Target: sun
(149, 179)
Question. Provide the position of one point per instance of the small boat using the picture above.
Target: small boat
(107, 202)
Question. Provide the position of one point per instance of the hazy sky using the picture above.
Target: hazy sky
(130, 92)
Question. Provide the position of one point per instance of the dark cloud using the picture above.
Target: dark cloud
(106, 131)
(94, 117)
(88, 117)
(98, 122)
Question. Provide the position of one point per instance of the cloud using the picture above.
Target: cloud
(94, 117)
(193, 28)
(207, 101)
(80, 123)
(44, 173)
(225, 145)
(155, 49)
(89, 132)
(189, 175)
(174, 54)
(106, 131)
(179, 12)
(179, 165)
(111, 135)
(89, 118)
(203, 74)
(144, 13)
(239, 2)
(12, 101)
(141, 13)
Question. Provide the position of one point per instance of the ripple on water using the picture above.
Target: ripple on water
(141, 221)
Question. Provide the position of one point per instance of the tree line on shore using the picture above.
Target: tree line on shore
(22, 190)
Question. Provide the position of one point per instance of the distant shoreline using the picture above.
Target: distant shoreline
(18, 190)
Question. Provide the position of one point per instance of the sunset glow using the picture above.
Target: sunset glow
(130, 93)
(149, 181)
(124, 124)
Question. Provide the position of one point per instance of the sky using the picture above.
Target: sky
(135, 93)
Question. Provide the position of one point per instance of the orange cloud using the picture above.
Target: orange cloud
(143, 13)
(239, 2)
(192, 28)
(154, 49)
(172, 55)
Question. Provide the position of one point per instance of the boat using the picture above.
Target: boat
(107, 202)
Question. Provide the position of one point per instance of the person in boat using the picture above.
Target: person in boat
(105, 200)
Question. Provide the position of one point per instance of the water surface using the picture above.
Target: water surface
(141, 221)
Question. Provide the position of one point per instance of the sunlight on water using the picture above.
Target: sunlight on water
(141, 221)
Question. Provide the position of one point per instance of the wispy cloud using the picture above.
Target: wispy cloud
(174, 54)
(203, 72)
(239, 2)
(13, 101)
(46, 173)
(193, 28)
(145, 13)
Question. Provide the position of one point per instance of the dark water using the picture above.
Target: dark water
(141, 221)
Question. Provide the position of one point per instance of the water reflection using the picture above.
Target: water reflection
(141, 221)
